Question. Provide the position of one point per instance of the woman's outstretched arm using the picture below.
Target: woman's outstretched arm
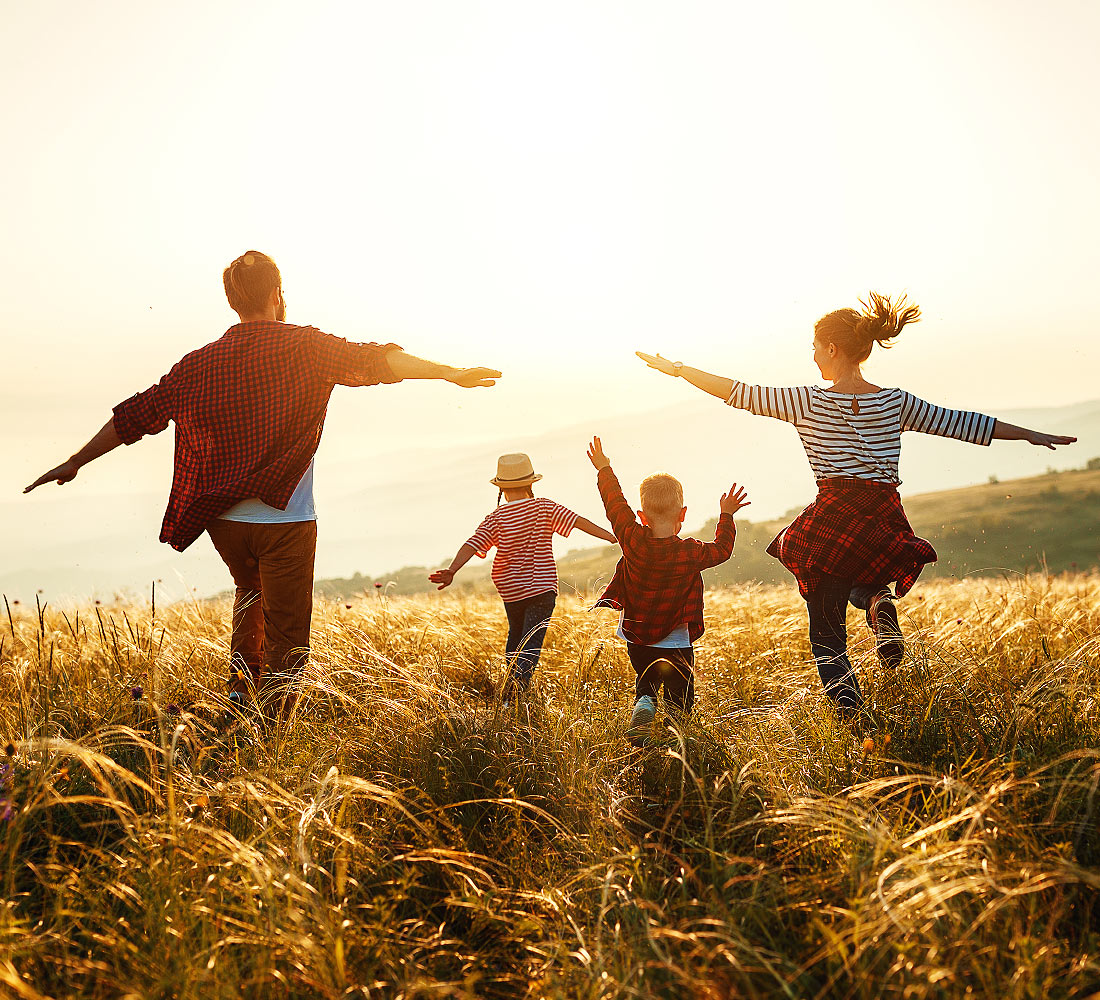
(716, 385)
(1003, 431)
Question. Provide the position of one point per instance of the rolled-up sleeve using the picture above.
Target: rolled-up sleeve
(345, 362)
(146, 412)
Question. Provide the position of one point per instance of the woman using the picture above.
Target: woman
(854, 540)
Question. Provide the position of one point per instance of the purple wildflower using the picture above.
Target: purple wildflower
(136, 692)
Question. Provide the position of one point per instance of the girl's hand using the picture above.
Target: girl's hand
(443, 577)
(596, 456)
(734, 500)
(64, 473)
(1049, 440)
(662, 365)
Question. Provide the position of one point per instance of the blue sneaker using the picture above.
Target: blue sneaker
(641, 720)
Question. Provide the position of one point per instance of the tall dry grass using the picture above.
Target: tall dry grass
(402, 836)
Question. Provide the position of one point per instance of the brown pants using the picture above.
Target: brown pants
(272, 567)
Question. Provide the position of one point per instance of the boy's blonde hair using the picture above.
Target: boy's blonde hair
(662, 495)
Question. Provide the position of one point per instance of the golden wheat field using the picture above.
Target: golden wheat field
(404, 836)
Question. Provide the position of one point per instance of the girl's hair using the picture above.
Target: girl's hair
(249, 281)
(855, 333)
(527, 489)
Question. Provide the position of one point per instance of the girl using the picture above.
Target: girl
(854, 540)
(523, 569)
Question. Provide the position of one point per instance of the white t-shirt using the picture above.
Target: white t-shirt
(678, 638)
(299, 507)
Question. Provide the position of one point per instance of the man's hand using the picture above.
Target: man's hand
(474, 378)
(64, 473)
(444, 577)
(596, 456)
(660, 364)
(734, 500)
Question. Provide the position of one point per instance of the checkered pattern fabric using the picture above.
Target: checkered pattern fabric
(657, 583)
(249, 409)
(855, 529)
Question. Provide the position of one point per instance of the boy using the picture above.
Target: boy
(658, 587)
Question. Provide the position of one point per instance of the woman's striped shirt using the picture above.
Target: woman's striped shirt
(522, 531)
(861, 440)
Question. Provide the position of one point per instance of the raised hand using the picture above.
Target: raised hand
(734, 500)
(596, 456)
(474, 378)
(660, 364)
(64, 473)
(444, 577)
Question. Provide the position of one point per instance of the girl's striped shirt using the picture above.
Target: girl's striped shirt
(861, 440)
(522, 531)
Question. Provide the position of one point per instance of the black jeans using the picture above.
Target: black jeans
(828, 606)
(672, 667)
(527, 622)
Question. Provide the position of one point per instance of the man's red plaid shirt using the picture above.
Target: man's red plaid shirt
(249, 409)
(657, 584)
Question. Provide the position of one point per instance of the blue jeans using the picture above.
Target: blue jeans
(527, 622)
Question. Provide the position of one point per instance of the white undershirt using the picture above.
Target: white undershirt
(298, 508)
(678, 638)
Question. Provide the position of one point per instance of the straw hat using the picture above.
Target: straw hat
(514, 471)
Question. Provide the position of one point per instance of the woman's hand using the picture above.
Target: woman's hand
(596, 456)
(662, 365)
(1048, 440)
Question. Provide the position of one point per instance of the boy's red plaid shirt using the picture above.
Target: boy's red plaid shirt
(657, 583)
(249, 409)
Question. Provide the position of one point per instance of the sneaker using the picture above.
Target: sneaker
(641, 720)
(882, 618)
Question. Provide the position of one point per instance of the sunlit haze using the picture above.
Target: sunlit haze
(538, 188)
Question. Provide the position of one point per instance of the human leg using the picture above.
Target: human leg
(286, 556)
(246, 645)
(528, 620)
(679, 677)
(827, 606)
(882, 619)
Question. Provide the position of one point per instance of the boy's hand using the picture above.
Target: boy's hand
(596, 456)
(64, 473)
(443, 577)
(734, 500)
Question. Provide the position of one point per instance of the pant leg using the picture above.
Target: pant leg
(286, 554)
(679, 675)
(827, 608)
(647, 676)
(246, 645)
(527, 624)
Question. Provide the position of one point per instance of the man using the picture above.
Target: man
(249, 409)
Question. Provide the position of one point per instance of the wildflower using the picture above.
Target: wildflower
(9, 749)
(886, 740)
(136, 692)
(348, 606)
(378, 586)
(868, 745)
(172, 709)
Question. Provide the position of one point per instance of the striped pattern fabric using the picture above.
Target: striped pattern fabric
(858, 436)
(523, 531)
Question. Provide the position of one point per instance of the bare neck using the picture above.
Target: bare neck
(849, 380)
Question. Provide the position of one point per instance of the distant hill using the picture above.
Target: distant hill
(1049, 522)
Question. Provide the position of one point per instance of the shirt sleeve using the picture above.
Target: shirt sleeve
(146, 412)
(790, 404)
(927, 418)
(718, 551)
(562, 519)
(482, 540)
(622, 519)
(344, 362)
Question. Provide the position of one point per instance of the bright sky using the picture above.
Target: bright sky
(542, 188)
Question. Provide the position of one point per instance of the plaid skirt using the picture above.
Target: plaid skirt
(857, 530)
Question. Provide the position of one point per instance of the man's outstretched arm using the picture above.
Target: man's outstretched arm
(106, 440)
(409, 366)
